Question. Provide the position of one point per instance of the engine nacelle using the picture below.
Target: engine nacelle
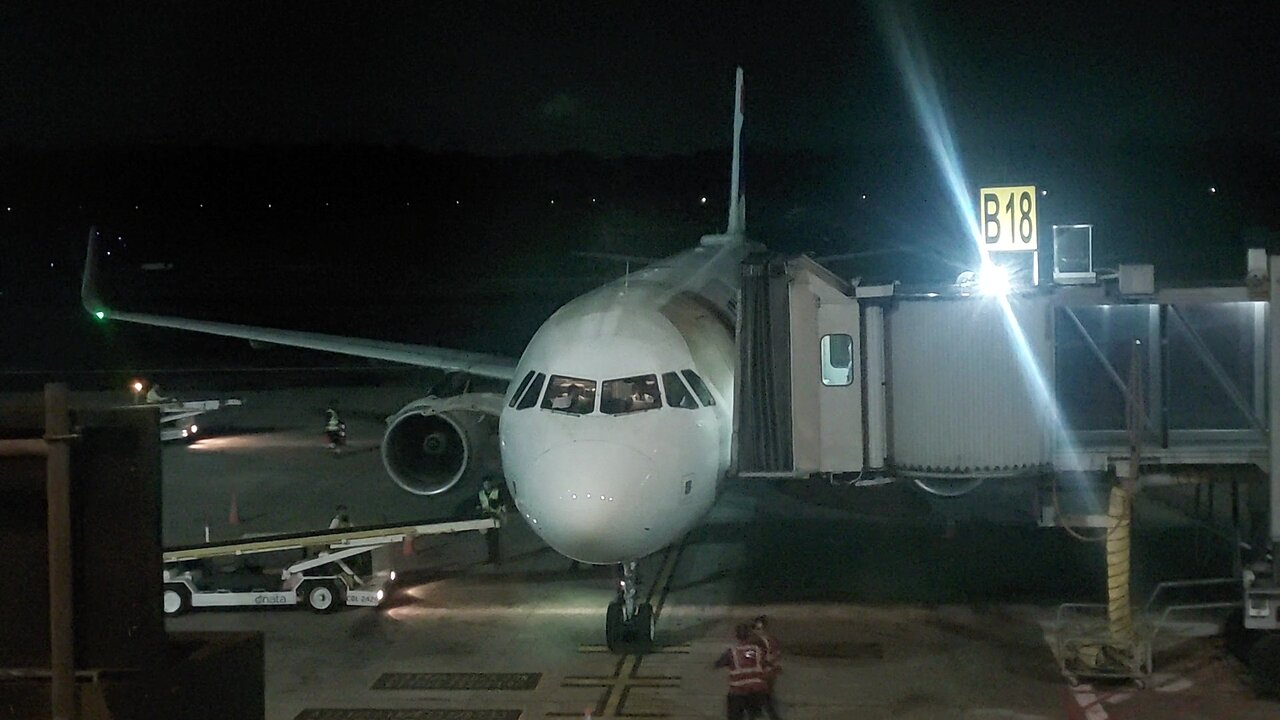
(434, 444)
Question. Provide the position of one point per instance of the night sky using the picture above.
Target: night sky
(629, 78)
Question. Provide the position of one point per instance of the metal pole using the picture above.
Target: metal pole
(57, 429)
(1273, 410)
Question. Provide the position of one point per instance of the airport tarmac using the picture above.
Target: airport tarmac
(896, 610)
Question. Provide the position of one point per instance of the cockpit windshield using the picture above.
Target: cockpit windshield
(630, 394)
(575, 396)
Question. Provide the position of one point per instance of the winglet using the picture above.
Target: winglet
(89, 282)
(737, 206)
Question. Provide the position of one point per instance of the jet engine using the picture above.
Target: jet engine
(434, 444)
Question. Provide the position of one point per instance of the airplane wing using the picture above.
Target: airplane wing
(493, 366)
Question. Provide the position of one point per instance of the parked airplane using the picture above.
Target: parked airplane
(615, 428)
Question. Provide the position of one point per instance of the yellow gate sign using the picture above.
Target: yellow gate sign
(1007, 218)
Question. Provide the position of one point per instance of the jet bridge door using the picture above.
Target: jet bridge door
(839, 384)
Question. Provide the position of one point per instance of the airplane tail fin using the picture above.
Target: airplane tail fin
(737, 199)
(89, 296)
(737, 203)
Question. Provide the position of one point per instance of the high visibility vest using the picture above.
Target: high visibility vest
(746, 670)
(489, 500)
(772, 655)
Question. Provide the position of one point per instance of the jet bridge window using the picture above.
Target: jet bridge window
(699, 388)
(530, 397)
(837, 360)
(515, 396)
(575, 396)
(630, 394)
(678, 396)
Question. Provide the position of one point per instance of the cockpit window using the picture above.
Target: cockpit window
(699, 388)
(530, 397)
(515, 396)
(678, 396)
(572, 395)
(630, 394)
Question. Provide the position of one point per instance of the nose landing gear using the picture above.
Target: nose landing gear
(628, 625)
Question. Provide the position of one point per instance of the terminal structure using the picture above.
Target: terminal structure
(1106, 385)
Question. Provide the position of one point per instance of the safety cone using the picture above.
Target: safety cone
(406, 547)
(233, 517)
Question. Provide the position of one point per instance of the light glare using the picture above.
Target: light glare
(993, 281)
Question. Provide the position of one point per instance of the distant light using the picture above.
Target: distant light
(137, 386)
(393, 575)
(379, 596)
(97, 313)
(50, 264)
(457, 202)
(268, 206)
(993, 280)
(135, 207)
(326, 204)
(704, 200)
(1043, 192)
(1213, 190)
(9, 209)
(593, 200)
(864, 196)
(184, 433)
(108, 253)
(119, 237)
(195, 429)
(553, 202)
(201, 204)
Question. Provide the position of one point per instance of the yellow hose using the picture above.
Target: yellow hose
(1119, 609)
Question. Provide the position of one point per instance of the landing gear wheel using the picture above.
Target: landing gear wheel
(642, 629)
(177, 599)
(634, 636)
(614, 628)
(322, 597)
(1264, 665)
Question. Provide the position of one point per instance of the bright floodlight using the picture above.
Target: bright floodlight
(993, 280)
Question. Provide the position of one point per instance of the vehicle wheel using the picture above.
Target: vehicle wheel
(1236, 638)
(642, 629)
(1264, 665)
(614, 628)
(322, 597)
(177, 599)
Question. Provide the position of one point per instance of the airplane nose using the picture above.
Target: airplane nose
(593, 501)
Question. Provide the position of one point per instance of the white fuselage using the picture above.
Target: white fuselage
(598, 478)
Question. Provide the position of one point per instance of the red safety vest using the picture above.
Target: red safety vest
(772, 655)
(746, 670)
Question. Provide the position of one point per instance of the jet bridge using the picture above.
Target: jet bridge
(947, 388)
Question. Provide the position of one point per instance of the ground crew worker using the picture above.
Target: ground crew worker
(772, 661)
(156, 396)
(334, 429)
(491, 506)
(747, 684)
(340, 519)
